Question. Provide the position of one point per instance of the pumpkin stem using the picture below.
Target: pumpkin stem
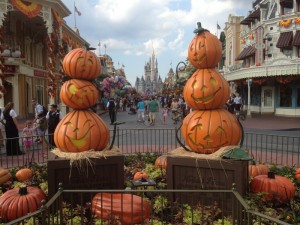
(200, 29)
(23, 190)
(271, 175)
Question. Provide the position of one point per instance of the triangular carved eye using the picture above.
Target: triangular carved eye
(220, 130)
(213, 81)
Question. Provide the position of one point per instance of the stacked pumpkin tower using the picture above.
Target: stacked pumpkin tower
(81, 129)
(209, 127)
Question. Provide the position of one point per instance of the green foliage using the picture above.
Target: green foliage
(285, 171)
(160, 203)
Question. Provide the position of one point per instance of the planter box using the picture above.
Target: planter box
(101, 173)
(189, 173)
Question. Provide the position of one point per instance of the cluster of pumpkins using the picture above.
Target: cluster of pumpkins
(209, 127)
(76, 132)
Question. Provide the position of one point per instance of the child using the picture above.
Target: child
(28, 133)
(165, 113)
(41, 127)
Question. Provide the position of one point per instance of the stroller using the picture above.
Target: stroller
(132, 111)
(176, 115)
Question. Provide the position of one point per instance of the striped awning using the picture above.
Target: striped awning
(296, 39)
(254, 15)
(285, 40)
(247, 52)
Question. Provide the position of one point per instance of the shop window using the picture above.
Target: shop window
(288, 51)
(285, 96)
(298, 96)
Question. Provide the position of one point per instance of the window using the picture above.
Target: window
(286, 7)
(288, 51)
(40, 91)
(285, 96)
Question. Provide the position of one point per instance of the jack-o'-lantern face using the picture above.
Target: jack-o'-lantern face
(82, 64)
(205, 50)
(81, 130)
(206, 89)
(206, 131)
(79, 94)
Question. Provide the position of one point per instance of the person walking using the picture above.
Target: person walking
(141, 110)
(153, 108)
(238, 104)
(165, 114)
(40, 112)
(9, 119)
(111, 107)
(53, 117)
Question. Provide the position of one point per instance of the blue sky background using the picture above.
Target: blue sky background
(131, 29)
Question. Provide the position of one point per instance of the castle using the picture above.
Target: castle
(150, 83)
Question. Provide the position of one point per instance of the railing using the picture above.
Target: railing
(271, 149)
(166, 207)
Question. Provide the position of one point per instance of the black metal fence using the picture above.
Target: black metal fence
(155, 207)
(270, 149)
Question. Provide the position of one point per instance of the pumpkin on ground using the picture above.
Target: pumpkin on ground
(205, 50)
(130, 209)
(297, 175)
(24, 174)
(82, 64)
(18, 202)
(206, 131)
(277, 188)
(140, 175)
(79, 94)
(81, 130)
(161, 162)
(5, 176)
(206, 89)
(257, 169)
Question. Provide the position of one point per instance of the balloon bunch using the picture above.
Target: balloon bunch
(113, 84)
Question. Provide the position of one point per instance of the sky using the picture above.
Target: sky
(132, 29)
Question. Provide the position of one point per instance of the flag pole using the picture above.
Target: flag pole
(217, 29)
(75, 15)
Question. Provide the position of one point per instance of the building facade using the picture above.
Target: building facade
(150, 83)
(34, 39)
(266, 71)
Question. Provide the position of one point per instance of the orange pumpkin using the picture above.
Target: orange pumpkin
(277, 188)
(82, 64)
(205, 50)
(257, 169)
(81, 130)
(24, 174)
(130, 209)
(140, 175)
(297, 175)
(205, 131)
(161, 162)
(5, 176)
(206, 89)
(79, 94)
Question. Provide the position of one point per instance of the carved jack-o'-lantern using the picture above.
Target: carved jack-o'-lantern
(205, 131)
(79, 94)
(206, 89)
(81, 130)
(82, 64)
(205, 49)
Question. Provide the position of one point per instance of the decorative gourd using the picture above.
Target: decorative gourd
(257, 169)
(205, 131)
(205, 50)
(81, 130)
(206, 89)
(24, 174)
(161, 162)
(297, 175)
(130, 209)
(5, 176)
(18, 202)
(277, 188)
(79, 94)
(82, 64)
(140, 175)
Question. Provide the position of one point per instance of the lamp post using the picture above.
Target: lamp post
(231, 86)
(249, 82)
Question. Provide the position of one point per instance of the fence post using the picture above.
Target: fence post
(44, 212)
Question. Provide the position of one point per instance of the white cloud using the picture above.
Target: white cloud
(175, 44)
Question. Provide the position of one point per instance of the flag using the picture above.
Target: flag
(123, 65)
(104, 45)
(76, 10)
(99, 44)
(218, 27)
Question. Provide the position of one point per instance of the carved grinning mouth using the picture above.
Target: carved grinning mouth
(80, 142)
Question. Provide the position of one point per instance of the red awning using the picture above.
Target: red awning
(249, 51)
(254, 15)
(296, 39)
(285, 40)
